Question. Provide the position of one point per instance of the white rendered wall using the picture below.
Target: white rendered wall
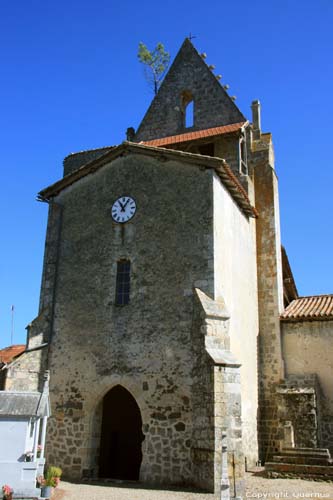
(13, 435)
(235, 271)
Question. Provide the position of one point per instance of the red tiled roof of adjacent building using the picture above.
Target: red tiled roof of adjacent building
(191, 136)
(315, 307)
(8, 353)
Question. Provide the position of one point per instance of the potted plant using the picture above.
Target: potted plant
(50, 481)
(7, 492)
(28, 456)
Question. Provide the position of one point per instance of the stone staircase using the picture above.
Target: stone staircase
(307, 463)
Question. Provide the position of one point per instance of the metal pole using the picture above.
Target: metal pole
(12, 327)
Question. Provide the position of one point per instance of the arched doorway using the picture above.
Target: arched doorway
(121, 437)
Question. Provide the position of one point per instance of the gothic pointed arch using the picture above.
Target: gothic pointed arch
(121, 436)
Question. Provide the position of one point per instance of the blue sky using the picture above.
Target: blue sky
(70, 80)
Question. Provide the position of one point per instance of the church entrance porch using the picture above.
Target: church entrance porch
(121, 436)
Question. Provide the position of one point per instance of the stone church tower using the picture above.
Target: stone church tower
(162, 276)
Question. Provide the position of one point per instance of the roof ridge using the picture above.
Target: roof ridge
(220, 166)
(195, 134)
(84, 151)
(314, 296)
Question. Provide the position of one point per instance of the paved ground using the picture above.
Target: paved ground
(258, 487)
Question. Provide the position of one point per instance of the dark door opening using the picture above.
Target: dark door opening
(121, 438)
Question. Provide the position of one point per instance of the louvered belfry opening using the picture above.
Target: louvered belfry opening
(121, 437)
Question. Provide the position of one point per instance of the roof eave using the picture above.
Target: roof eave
(219, 165)
(293, 319)
(186, 137)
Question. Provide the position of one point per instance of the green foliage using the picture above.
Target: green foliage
(54, 471)
(156, 63)
(52, 476)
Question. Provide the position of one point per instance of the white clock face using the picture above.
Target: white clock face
(123, 209)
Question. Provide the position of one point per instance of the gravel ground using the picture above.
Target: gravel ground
(258, 487)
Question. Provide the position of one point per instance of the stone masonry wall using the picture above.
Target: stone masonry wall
(212, 105)
(43, 323)
(308, 350)
(270, 294)
(298, 404)
(216, 396)
(26, 373)
(144, 346)
(76, 160)
(227, 147)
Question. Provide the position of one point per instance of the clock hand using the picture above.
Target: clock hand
(121, 206)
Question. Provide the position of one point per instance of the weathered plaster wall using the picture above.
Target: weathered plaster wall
(235, 281)
(307, 350)
(144, 346)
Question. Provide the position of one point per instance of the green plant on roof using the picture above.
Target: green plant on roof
(155, 63)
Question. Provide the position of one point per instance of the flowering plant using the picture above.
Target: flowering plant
(7, 492)
(52, 477)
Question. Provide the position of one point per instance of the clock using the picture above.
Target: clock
(123, 209)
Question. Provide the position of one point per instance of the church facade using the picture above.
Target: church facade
(168, 310)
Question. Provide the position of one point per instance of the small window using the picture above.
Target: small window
(189, 115)
(188, 109)
(123, 282)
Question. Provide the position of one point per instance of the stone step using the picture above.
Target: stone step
(302, 460)
(322, 452)
(298, 469)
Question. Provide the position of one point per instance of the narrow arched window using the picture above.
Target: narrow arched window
(123, 282)
(188, 109)
(189, 115)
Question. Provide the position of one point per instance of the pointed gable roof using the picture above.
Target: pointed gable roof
(212, 105)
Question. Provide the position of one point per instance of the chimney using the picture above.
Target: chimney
(256, 120)
(130, 134)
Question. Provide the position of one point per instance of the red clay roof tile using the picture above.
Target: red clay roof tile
(314, 307)
(191, 136)
(8, 353)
